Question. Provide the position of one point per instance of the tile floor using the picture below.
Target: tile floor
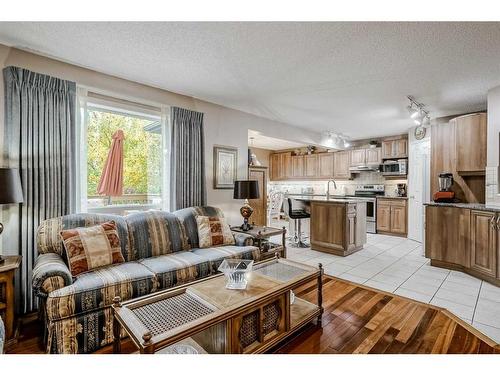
(398, 265)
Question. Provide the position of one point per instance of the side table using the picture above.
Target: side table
(261, 236)
(7, 271)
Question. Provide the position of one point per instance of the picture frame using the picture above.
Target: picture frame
(225, 167)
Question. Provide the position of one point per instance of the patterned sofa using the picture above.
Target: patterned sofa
(160, 251)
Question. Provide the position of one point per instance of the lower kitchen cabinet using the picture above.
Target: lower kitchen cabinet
(484, 238)
(392, 216)
(464, 239)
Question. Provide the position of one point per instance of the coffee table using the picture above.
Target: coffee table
(219, 320)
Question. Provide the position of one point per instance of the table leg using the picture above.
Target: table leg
(320, 294)
(117, 344)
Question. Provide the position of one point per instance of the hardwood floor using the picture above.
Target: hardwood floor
(357, 319)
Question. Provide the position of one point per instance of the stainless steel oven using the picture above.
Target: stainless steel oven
(368, 194)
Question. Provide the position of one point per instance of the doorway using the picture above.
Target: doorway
(418, 188)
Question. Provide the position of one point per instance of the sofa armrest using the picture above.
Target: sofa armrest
(242, 239)
(50, 273)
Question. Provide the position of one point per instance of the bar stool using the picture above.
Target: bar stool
(297, 215)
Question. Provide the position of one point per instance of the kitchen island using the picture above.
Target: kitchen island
(337, 225)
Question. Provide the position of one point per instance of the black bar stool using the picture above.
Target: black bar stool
(297, 214)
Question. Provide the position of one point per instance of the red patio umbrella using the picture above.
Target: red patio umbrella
(111, 182)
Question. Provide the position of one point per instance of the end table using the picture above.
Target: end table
(7, 271)
(261, 235)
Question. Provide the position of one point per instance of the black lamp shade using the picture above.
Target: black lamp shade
(10, 182)
(246, 189)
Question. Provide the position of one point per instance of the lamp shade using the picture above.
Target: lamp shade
(11, 191)
(246, 189)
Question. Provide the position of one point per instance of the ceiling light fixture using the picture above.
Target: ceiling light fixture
(336, 140)
(417, 111)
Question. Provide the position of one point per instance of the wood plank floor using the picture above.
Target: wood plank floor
(357, 319)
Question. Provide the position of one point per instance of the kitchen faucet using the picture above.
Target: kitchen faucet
(328, 188)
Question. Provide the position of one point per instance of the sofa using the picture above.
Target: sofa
(160, 250)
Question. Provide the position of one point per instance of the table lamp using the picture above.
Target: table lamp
(246, 189)
(11, 191)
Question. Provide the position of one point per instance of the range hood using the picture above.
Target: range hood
(365, 168)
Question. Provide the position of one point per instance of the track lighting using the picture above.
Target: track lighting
(412, 111)
(417, 111)
(335, 140)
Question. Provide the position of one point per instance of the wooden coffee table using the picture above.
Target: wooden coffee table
(219, 320)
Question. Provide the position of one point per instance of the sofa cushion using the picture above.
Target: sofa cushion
(92, 247)
(48, 237)
(188, 217)
(213, 231)
(96, 289)
(155, 233)
(179, 268)
(215, 255)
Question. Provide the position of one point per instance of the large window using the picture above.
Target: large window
(143, 157)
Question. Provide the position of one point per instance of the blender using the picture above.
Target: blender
(444, 194)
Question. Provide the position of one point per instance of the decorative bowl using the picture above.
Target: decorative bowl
(237, 272)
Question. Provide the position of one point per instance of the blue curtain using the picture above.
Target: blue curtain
(40, 128)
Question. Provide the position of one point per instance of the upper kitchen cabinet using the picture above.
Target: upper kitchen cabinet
(280, 166)
(470, 143)
(342, 162)
(311, 166)
(373, 156)
(297, 166)
(358, 157)
(325, 165)
(395, 148)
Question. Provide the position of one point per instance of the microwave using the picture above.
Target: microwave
(395, 167)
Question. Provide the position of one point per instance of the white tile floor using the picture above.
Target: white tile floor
(398, 265)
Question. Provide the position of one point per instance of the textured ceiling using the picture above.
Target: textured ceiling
(257, 139)
(352, 78)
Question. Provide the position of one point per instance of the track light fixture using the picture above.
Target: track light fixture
(336, 140)
(417, 112)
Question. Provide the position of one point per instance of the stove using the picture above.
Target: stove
(369, 193)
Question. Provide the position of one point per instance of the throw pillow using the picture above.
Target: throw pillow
(213, 231)
(92, 247)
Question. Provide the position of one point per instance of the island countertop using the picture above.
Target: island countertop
(324, 199)
(471, 206)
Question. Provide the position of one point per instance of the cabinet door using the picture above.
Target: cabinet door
(483, 243)
(383, 217)
(373, 156)
(398, 219)
(325, 165)
(447, 234)
(387, 149)
(322, 230)
(286, 166)
(358, 157)
(274, 164)
(470, 143)
(401, 146)
(259, 205)
(311, 166)
(342, 163)
(298, 166)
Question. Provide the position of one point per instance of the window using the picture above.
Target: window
(144, 156)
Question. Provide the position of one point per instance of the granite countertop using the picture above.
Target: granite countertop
(318, 198)
(391, 197)
(471, 206)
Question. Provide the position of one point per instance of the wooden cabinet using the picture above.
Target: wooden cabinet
(297, 166)
(373, 156)
(325, 165)
(358, 157)
(311, 166)
(483, 246)
(447, 141)
(259, 216)
(338, 228)
(280, 165)
(395, 148)
(447, 235)
(470, 143)
(392, 216)
(342, 162)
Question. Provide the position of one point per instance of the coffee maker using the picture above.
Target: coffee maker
(444, 194)
(401, 190)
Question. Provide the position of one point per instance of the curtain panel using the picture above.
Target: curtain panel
(40, 129)
(187, 160)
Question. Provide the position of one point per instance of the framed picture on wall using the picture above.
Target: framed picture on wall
(225, 167)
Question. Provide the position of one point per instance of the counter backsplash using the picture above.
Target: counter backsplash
(343, 187)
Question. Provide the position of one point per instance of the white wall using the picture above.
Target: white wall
(223, 126)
